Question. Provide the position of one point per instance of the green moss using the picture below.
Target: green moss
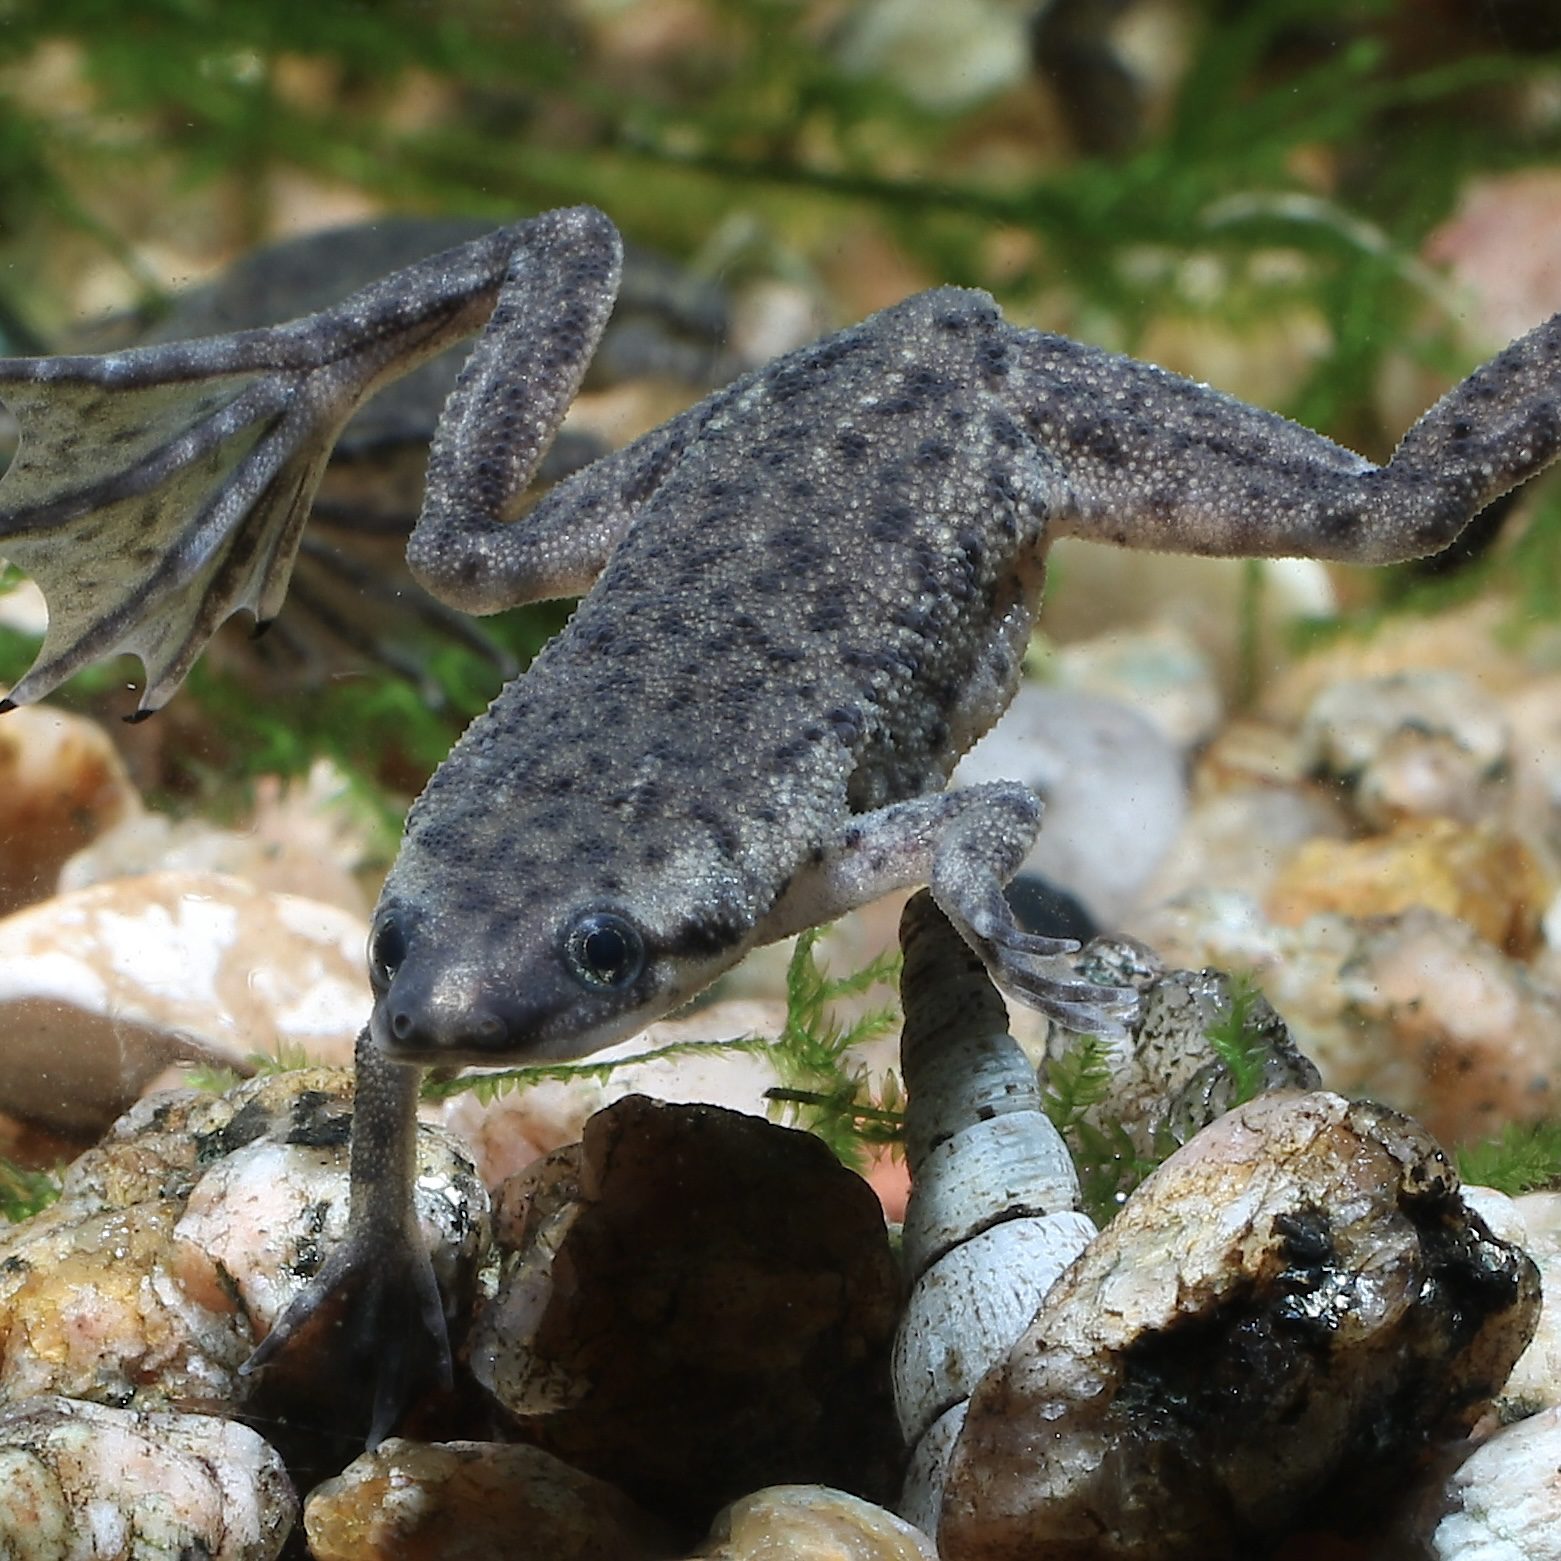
(24, 1193)
(1238, 1042)
(828, 1092)
(1524, 1157)
(1108, 1165)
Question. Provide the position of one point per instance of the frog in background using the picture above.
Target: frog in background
(805, 598)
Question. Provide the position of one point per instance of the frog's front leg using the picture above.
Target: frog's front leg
(392, 1328)
(159, 490)
(964, 845)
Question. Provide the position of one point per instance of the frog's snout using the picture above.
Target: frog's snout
(441, 1015)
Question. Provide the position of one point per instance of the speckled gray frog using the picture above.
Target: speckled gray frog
(811, 594)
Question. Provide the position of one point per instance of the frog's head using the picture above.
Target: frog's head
(491, 954)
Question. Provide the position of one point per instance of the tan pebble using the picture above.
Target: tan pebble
(474, 1501)
(1481, 875)
(102, 989)
(1447, 1026)
(808, 1523)
(1412, 745)
(64, 784)
(1468, 640)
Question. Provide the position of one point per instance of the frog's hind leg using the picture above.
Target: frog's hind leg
(159, 490)
(964, 845)
(123, 500)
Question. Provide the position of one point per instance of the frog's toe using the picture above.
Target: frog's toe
(1077, 1005)
(1032, 968)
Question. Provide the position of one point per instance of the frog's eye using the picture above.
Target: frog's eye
(604, 950)
(387, 949)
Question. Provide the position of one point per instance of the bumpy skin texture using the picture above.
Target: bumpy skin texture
(814, 590)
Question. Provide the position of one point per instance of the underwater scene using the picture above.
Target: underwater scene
(780, 779)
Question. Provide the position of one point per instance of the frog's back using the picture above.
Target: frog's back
(798, 616)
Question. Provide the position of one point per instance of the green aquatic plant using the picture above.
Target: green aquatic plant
(1110, 1163)
(1076, 1082)
(490, 1086)
(828, 1091)
(1523, 1157)
(214, 1079)
(25, 1192)
(1109, 1166)
(1238, 1042)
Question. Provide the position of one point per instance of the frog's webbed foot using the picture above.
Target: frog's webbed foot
(159, 490)
(382, 1300)
(156, 492)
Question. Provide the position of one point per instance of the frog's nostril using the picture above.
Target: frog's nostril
(488, 1030)
(402, 1025)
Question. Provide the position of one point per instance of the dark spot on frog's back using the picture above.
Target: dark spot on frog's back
(718, 821)
(1096, 440)
(828, 616)
(836, 349)
(889, 525)
(591, 850)
(1338, 521)
(991, 358)
(846, 724)
(918, 389)
(851, 444)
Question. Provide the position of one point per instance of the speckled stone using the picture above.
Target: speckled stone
(79, 1480)
(1295, 1300)
(180, 1237)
